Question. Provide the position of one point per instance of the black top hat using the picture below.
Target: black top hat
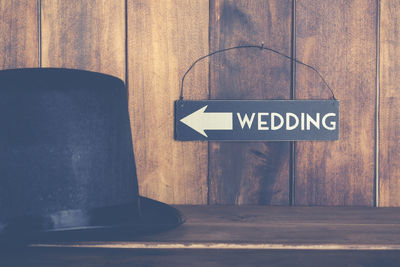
(66, 157)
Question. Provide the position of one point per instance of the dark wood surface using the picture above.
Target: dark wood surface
(389, 118)
(241, 236)
(249, 172)
(19, 42)
(86, 35)
(41, 257)
(339, 39)
(272, 227)
(164, 38)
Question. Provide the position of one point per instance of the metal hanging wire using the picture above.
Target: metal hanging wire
(262, 47)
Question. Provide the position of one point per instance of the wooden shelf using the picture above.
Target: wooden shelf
(235, 234)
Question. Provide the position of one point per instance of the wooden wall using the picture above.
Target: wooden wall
(149, 44)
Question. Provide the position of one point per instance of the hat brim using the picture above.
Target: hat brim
(116, 223)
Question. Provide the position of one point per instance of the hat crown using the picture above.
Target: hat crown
(65, 142)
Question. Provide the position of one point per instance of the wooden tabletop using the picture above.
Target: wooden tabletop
(246, 235)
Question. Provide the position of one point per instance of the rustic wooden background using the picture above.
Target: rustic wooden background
(355, 44)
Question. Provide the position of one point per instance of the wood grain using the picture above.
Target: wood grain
(164, 38)
(19, 34)
(251, 172)
(339, 39)
(86, 35)
(389, 147)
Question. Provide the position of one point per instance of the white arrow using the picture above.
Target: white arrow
(200, 121)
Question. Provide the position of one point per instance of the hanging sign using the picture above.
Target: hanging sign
(275, 120)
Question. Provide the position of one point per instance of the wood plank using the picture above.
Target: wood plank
(304, 226)
(389, 147)
(251, 172)
(339, 39)
(184, 257)
(269, 227)
(164, 38)
(19, 34)
(86, 35)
